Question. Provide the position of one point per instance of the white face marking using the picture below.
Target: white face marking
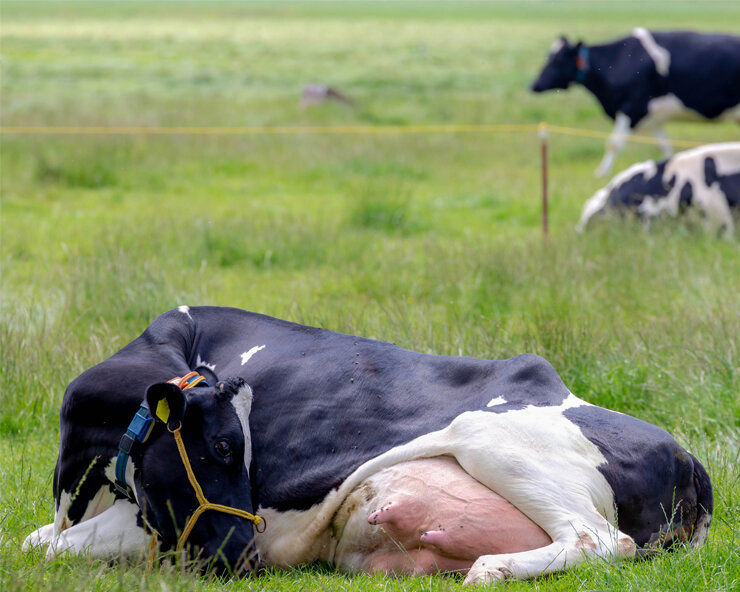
(242, 402)
(660, 55)
(556, 46)
(248, 354)
(184, 310)
(201, 362)
(496, 401)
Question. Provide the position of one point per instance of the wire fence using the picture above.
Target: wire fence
(325, 130)
(542, 129)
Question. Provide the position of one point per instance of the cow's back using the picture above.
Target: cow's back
(704, 70)
(325, 402)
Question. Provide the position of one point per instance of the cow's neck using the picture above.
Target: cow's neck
(594, 78)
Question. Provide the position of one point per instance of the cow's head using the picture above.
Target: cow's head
(561, 67)
(213, 422)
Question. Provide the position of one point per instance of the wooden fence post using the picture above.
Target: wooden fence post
(543, 157)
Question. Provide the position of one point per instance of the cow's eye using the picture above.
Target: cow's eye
(223, 448)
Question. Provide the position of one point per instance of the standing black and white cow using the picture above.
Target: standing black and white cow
(363, 454)
(705, 179)
(648, 78)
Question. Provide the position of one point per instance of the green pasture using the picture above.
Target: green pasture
(428, 240)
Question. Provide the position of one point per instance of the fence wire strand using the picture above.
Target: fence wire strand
(326, 130)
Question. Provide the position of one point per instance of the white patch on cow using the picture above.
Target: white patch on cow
(242, 402)
(660, 55)
(110, 473)
(495, 449)
(101, 501)
(595, 204)
(247, 355)
(201, 362)
(556, 46)
(701, 530)
(664, 108)
(111, 533)
(688, 167)
(184, 310)
(60, 512)
(496, 401)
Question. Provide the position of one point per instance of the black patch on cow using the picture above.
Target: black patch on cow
(686, 197)
(704, 73)
(640, 460)
(631, 193)
(728, 184)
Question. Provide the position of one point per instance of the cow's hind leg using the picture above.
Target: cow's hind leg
(582, 543)
(542, 464)
(663, 141)
(614, 144)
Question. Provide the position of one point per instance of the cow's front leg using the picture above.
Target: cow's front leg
(114, 532)
(40, 538)
(615, 143)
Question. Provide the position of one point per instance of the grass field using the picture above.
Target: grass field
(430, 241)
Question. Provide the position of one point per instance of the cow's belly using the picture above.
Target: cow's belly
(425, 516)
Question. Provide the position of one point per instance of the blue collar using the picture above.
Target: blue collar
(582, 64)
(138, 431)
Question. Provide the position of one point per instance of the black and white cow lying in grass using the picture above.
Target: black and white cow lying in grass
(360, 453)
(705, 180)
(648, 78)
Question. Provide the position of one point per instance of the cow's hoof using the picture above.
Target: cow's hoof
(485, 573)
(39, 538)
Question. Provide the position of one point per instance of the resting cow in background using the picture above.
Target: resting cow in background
(360, 453)
(648, 78)
(705, 179)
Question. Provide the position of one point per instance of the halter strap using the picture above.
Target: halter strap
(138, 431)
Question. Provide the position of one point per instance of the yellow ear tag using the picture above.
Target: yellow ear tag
(163, 410)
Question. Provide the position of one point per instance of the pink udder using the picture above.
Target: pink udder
(436, 517)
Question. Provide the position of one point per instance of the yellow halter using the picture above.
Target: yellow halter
(186, 382)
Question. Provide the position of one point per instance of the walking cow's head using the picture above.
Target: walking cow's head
(192, 471)
(565, 64)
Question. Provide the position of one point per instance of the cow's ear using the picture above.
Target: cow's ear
(166, 403)
(208, 374)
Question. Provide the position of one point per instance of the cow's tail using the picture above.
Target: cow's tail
(704, 502)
